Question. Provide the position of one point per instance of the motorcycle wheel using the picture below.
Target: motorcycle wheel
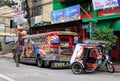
(110, 67)
(77, 68)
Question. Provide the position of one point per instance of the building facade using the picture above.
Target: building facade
(109, 18)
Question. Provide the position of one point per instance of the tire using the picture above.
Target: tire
(110, 67)
(47, 64)
(40, 62)
(77, 68)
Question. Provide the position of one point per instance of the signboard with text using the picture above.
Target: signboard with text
(66, 14)
(72, 13)
(57, 16)
(19, 17)
(102, 4)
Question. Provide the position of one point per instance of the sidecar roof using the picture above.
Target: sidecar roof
(92, 43)
(88, 45)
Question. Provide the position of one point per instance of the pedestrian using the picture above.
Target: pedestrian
(14, 49)
(17, 52)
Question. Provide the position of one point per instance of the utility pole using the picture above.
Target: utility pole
(28, 15)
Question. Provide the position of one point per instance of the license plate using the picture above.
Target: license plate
(63, 57)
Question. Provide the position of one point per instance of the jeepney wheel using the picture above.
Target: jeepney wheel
(77, 68)
(40, 62)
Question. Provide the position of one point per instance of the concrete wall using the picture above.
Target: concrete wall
(47, 10)
(7, 48)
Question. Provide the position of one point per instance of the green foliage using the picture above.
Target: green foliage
(105, 35)
(7, 2)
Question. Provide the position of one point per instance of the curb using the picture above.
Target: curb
(117, 70)
(5, 57)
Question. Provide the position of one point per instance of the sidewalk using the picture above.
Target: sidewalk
(117, 67)
(8, 55)
(116, 64)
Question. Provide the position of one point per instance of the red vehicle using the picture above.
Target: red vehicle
(52, 49)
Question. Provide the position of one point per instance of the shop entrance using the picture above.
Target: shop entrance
(115, 52)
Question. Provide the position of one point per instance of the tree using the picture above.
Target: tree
(7, 2)
(105, 34)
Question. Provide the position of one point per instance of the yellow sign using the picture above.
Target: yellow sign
(63, 57)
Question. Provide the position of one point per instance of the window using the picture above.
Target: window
(37, 9)
(64, 39)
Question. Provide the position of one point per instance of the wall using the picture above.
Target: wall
(57, 5)
(7, 48)
(30, 3)
(47, 10)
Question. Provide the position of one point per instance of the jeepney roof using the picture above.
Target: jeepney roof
(51, 33)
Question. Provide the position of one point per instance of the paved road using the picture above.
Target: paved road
(2, 79)
(34, 73)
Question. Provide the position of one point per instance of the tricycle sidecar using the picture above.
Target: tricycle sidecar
(89, 56)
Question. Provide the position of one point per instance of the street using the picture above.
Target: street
(9, 72)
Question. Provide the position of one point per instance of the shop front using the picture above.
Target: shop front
(109, 22)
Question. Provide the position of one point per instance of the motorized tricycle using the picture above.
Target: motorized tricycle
(89, 56)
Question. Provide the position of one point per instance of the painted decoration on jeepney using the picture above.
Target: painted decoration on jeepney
(29, 50)
(49, 38)
(102, 4)
(67, 14)
(47, 48)
(55, 39)
(44, 48)
(75, 40)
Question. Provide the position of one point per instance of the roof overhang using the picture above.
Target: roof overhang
(6, 12)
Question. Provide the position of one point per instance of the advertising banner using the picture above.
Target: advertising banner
(102, 4)
(57, 16)
(72, 13)
(66, 14)
(19, 17)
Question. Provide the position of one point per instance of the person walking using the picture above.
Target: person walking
(17, 51)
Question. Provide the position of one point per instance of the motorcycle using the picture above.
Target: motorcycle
(89, 56)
